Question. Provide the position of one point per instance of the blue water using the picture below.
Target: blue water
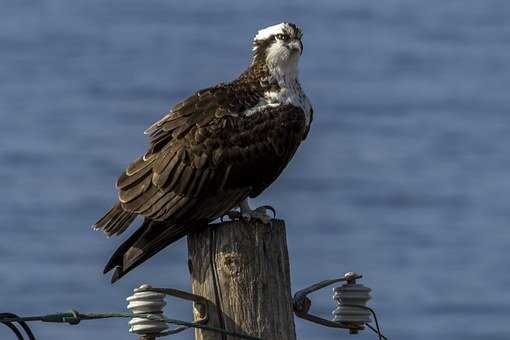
(405, 176)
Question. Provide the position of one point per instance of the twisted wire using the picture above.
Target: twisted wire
(74, 317)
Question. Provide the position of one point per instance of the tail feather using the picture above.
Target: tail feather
(149, 239)
(115, 221)
(116, 260)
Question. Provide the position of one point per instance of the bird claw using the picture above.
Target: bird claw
(270, 208)
(259, 214)
(233, 215)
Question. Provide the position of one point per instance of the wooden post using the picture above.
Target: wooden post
(243, 269)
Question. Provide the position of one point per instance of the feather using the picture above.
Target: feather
(108, 216)
(225, 177)
(123, 225)
(196, 179)
(156, 207)
(164, 158)
(125, 181)
(115, 221)
(160, 179)
(201, 184)
(150, 195)
(129, 194)
(158, 213)
(185, 179)
(140, 164)
(176, 175)
(171, 209)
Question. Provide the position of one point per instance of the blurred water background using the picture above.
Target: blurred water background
(405, 176)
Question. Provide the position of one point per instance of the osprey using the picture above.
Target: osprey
(213, 151)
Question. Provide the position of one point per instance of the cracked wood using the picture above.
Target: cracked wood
(243, 269)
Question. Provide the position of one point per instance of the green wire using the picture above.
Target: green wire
(73, 317)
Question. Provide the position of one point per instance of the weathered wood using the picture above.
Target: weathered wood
(243, 269)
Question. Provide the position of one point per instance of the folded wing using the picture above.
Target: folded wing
(205, 158)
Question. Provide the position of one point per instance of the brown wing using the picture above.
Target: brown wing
(204, 159)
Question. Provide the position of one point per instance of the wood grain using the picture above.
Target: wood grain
(243, 269)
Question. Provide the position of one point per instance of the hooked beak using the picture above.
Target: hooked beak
(296, 45)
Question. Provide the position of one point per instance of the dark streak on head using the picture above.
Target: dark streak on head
(260, 46)
(296, 31)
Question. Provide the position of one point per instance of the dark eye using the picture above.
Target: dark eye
(283, 37)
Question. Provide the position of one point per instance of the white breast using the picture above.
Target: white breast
(290, 93)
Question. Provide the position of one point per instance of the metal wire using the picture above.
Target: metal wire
(74, 317)
(302, 306)
(14, 329)
(376, 330)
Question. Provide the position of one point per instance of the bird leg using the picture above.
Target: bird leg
(247, 214)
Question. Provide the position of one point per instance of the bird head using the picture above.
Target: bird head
(278, 46)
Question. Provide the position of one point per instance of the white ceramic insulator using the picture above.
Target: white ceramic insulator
(147, 302)
(351, 294)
